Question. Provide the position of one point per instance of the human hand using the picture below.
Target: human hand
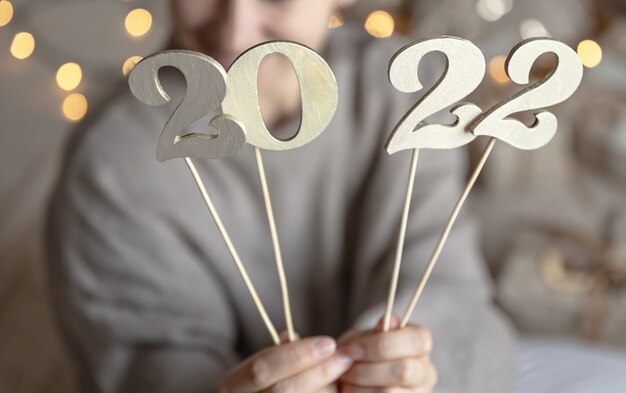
(311, 365)
(397, 361)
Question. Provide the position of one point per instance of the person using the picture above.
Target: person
(146, 293)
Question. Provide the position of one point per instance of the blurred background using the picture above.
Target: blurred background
(554, 220)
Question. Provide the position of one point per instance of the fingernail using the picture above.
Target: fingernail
(324, 347)
(355, 352)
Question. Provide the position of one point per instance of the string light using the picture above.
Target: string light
(69, 76)
(75, 107)
(23, 45)
(497, 70)
(6, 12)
(380, 24)
(130, 63)
(590, 53)
(138, 22)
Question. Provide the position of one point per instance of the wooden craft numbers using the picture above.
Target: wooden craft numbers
(234, 93)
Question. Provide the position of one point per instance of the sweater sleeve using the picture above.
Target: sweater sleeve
(137, 301)
(474, 346)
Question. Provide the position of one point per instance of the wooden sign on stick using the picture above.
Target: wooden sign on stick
(319, 97)
(465, 70)
(210, 87)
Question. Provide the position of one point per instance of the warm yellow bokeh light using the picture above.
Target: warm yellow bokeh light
(69, 76)
(590, 53)
(6, 12)
(75, 107)
(23, 45)
(380, 24)
(138, 22)
(130, 63)
(497, 70)
(336, 20)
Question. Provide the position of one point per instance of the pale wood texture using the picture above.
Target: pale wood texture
(233, 252)
(446, 232)
(318, 90)
(276, 244)
(238, 99)
(200, 72)
(464, 72)
(400, 247)
(206, 88)
(555, 88)
(319, 95)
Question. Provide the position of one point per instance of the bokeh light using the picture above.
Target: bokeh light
(380, 24)
(492, 10)
(69, 76)
(336, 20)
(75, 107)
(23, 45)
(138, 22)
(6, 12)
(130, 63)
(531, 28)
(590, 53)
(497, 70)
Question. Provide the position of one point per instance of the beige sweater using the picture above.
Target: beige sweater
(148, 296)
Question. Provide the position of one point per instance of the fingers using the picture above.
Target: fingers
(351, 335)
(357, 389)
(396, 361)
(329, 389)
(401, 373)
(314, 379)
(274, 364)
(409, 342)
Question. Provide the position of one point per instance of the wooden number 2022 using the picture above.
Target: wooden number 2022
(464, 72)
(209, 87)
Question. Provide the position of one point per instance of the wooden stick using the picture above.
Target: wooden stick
(233, 252)
(446, 233)
(279, 258)
(401, 237)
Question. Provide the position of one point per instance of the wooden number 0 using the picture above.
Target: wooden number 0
(318, 89)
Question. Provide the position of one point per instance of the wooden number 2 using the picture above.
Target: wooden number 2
(555, 88)
(318, 89)
(463, 74)
(201, 73)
